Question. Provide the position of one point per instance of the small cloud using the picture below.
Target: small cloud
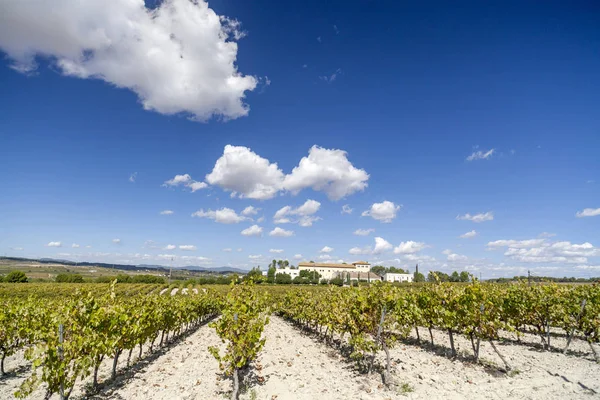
(187, 247)
(255, 257)
(254, 230)
(332, 77)
(591, 181)
(227, 250)
(305, 66)
(588, 212)
(132, 177)
(276, 251)
(75, 245)
(116, 241)
(16, 248)
(248, 211)
(480, 155)
(481, 217)
(167, 212)
(384, 212)
(170, 247)
(546, 235)
(239, 249)
(364, 232)
(346, 209)
(279, 232)
(186, 181)
(298, 256)
(337, 31)
(326, 249)
(469, 235)
(54, 244)
(512, 152)
(319, 39)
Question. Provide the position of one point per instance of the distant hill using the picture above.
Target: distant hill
(141, 267)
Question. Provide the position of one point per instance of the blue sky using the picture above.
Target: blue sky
(404, 104)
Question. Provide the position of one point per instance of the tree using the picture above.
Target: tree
(419, 277)
(15, 277)
(284, 279)
(395, 270)
(279, 263)
(286, 263)
(379, 270)
(271, 274)
(464, 276)
(454, 277)
(69, 278)
(255, 275)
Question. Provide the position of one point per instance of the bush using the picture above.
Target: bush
(15, 277)
(147, 279)
(323, 281)
(69, 278)
(337, 281)
(284, 279)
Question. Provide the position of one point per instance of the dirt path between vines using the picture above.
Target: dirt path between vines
(294, 365)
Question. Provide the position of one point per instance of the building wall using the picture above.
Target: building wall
(327, 273)
(389, 277)
(363, 267)
(292, 272)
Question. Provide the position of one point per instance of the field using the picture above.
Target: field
(379, 342)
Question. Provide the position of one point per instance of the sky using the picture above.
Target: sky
(460, 136)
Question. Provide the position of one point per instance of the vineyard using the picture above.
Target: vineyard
(66, 332)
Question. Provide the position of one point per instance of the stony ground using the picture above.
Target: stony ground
(296, 365)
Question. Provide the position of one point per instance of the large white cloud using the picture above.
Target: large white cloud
(223, 216)
(588, 212)
(381, 245)
(327, 170)
(481, 217)
(303, 215)
(247, 175)
(178, 58)
(384, 211)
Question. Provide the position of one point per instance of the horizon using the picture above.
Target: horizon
(456, 138)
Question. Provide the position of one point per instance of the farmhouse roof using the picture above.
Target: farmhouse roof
(361, 262)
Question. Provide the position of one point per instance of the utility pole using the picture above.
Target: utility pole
(529, 277)
(170, 269)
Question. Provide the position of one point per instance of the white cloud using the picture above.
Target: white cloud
(409, 247)
(381, 245)
(186, 181)
(518, 244)
(329, 171)
(116, 241)
(588, 212)
(16, 248)
(54, 244)
(254, 230)
(132, 177)
(304, 213)
(223, 216)
(480, 155)
(346, 209)
(248, 211)
(298, 256)
(384, 212)
(469, 235)
(481, 217)
(278, 232)
(363, 232)
(542, 251)
(276, 251)
(332, 77)
(166, 212)
(261, 219)
(178, 58)
(359, 251)
(246, 174)
(75, 246)
(255, 257)
(227, 250)
(170, 247)
(187, 247)
(326, 249)
(547, 235)
(325, 257)
(239, 249)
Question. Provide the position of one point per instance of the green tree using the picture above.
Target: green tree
(454, 277)
(395, 270)
(69, 278)
(271, 274)
(379, 270)
(419, 277)
(255, 275)
(283, 279)
(464, 276)
(15, 277)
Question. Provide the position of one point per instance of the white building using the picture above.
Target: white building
(330, 270)
(287, 270)
(390, 277)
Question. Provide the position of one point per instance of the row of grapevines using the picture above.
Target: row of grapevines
(95, 327)
(375, 317)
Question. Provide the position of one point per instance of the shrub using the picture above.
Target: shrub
(15, 277)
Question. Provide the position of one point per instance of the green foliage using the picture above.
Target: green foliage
(69, 278)
(243, 318)
(255, 275)
(15, 277)
(271, 274)
(418, 277)
(283, 278)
